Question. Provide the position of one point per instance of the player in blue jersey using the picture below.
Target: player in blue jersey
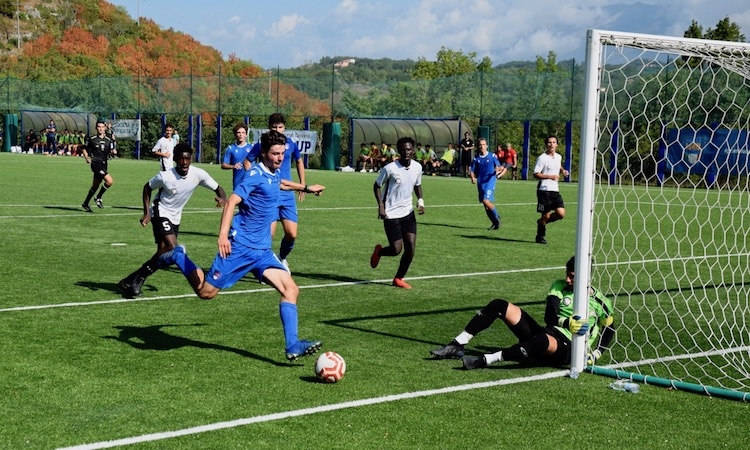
(549, 344)
(287, 204)
(483, 172)
(236, 153)
(245, 243)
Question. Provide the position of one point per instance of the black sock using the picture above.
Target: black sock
(90, 194)
(103, 189)
(484, 318)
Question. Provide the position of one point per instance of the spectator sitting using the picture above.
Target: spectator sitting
(31, 142)
(364, 157)
(449, 157)
(433, 161)
(421, 155)
(43, 141)
(393, 154)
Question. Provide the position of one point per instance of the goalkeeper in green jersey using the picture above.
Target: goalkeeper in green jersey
(548, 344)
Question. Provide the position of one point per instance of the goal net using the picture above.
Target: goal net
(664, 208)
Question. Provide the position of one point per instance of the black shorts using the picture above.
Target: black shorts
(548, 201)
(396, 228)
(99, 168)
(561, 357)
(163, 227)
(466, 158)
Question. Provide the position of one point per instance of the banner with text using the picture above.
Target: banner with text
(127, 129)
(306, 139)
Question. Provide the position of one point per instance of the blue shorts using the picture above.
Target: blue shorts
(288, 208)
(486, 192)
(225, 272)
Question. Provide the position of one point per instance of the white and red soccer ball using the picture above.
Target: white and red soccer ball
(330, 367)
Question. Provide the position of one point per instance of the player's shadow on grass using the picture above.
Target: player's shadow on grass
(197, 233)
(352, 323)
(154, 338)
(129, 208)
(447, 225)
(66, 208)
(327, 277)
(495, 238)
(98, 286)
(112, 287)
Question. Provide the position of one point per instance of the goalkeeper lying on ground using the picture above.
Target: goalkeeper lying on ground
(550, 344)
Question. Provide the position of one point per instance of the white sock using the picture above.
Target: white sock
(493, 357)
(463, 338)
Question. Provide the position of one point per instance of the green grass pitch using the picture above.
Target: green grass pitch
(81, 366)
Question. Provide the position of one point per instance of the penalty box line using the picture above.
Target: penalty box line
(309, 411)
(268, 289)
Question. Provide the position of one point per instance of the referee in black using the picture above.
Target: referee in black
(96, 152)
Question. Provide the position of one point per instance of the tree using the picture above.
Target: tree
(725, 30)
(550, 65)
(449, 63)
(694, 31)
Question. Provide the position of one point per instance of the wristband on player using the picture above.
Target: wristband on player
(306, 189)
(420, 202)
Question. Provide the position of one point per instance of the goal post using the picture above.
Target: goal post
(664, 209)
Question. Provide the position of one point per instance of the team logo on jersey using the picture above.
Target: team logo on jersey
(173, 191)
(566, 301)
(216, 275)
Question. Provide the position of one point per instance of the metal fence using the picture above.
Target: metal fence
(518, 106)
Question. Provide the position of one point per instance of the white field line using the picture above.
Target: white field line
(136, 210)
(308, 411)
(268, 289)
(305, 411)
(361, 403)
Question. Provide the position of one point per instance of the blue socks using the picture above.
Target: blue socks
(492, 214)
(183, 262)
(177, 256)
(288, 313)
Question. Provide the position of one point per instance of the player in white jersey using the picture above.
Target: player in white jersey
(398, 179)
(174, 188)
(164, 148)
(549, 201)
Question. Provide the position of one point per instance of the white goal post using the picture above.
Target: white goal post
(664, 209)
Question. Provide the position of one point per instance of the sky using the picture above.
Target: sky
(291, 33)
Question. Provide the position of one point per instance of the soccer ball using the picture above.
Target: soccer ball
(330, 367)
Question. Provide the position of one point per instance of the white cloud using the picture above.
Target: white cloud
(348, 6)
(300, 31)
(287, 24)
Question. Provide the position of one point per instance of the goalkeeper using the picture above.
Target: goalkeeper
(549, 344)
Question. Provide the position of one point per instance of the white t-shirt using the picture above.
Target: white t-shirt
(174, 191)
(548, 164)
(397, 184)
(165, 145)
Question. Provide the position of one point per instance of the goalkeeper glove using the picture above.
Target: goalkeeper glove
(591, 357)
(578, 326)
(607, 321)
